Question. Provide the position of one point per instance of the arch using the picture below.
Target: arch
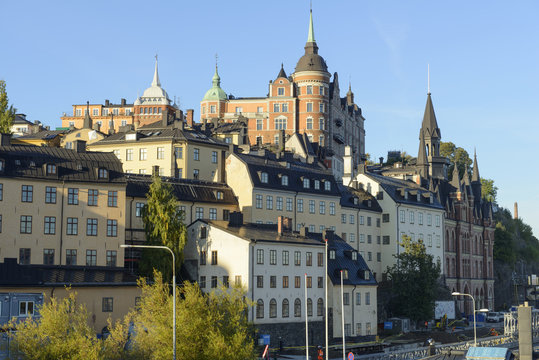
(273, 308)
(320, 307)
(285, 308)
(260, 309)
(297, 307)
(309, 307)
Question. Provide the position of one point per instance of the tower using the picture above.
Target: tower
(213, 103)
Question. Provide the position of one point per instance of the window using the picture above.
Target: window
(214, 257)
(346, 298)
(311, 206)
(107, 305)
(26, 224)
(214, 282)
(260, 256)
(178, 152)
(276, 108)
(112, 199)
(309, 89)
(273, 308)
(297, 282)
(51, 169)
(273, 281)
(321, 107)
(280, 123)
(420, 218)
(352, 219)
(367, 298)
(385, 218)
(258, 201)
(160, 153)
(2, 185)
(288, 204)
(309, 121)
(27, 194)
(285, 308)
(129, 154)
(300, 205)
(143, 154)
(111, 258)
(195, 173)
(259, 281)
(321, 90)
(48, 256)
(78, 112)
(361, 220)
(343, 218)
(309, 281)
(138, 209)
(279, 205)
(91, 257)
(196, 154)
(213, 214)
(102, 173)
(92, 197)
(24, 256)
(0, 223)
(297, 308)
(71, 257)
(309, 307)
(26, 308)
(332, 254)
(411, 217)
(429, 219)
(212, 109)
(203, 257)
(273, 257)
(285, 257)
(353, 237)
(50, 225)
(112, 228)
(226, 282)
(438, 220)
(237, 280)
(91, 227)
(386, 239)
(285, 282)
(322, 207)
(259, 124)
(284, 107)
(297, 258)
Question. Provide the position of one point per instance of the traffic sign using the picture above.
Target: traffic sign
(350, 356)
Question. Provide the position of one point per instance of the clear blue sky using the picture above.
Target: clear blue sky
(484, 60)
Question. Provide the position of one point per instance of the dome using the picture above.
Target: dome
(215, 93)
(155, 94)
(311, 61)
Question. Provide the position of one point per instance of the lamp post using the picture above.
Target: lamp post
(173, 289)
(456, 293)
(326, 299)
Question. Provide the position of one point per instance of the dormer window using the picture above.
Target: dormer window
(344, 274)
(284, 180)
(306, 183)
(51, 169)
(418, 198)
(280, 91)
(18, 162)
(131, 136)
(102, 173)
(354, 255)
(264, 177)
(327, 186)
(219, 195)
(367, 275)
(2, 165)
(79, 167)
(317, 184)
(32, 163)
(369, 204)
(356, 201)
(332, 254)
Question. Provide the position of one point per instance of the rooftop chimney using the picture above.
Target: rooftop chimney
(107, 102)
(515, 214)
(190, 114)
(165, 117)
(123, 102)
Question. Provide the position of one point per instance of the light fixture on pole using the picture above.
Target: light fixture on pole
(326, 286)
(173, 289)
(456, 293)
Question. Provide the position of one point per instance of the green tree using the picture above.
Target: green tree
(163, 225)
(456, 155)
(414, 281)
(489, 191)
(7, 113)
(209, 326)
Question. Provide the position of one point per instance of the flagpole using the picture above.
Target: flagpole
(326, 286)
(342, 320)
(306, 323)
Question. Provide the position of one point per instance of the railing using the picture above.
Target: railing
(510, 324)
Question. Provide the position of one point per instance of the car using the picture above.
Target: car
(494, 316)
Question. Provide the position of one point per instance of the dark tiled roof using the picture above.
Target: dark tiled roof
(43, 135)
(364, 198)
(20, 119)
(184, 189)
(14, 275)
(30, 161)
(343, 260)
(395, 189)
(227, 128)
(275, 168)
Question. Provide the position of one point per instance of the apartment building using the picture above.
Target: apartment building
(60, 206)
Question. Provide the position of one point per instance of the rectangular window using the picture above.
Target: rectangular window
(213, 214)
(196, 154)
(203, 257)
(48, 256)
(214, 157)
(108, 303)
(260, 256)
(91, 227)
(129, 154)
(143, 154)
(71, 257)
(429, 219)
(237, 280)
(258, 202)
(259, 281)
(285, 257)
(309, 89)
(112, 199)
(214, 282)
(288, 204)
(50, 225)
(276, 108)
(24, 256)
(353, 237)
(138, 209)
(379, 257)
(92, 197)
(322, 207)
(309, 281)
(369, 256)
(358, 298)
(332, 208)
(361, 238)
(297, 281)
(112, 228)
(321, 109)
(91, 257)
(378, 222)
(361, 220)
(386, 239)
(160, 153)
(279, 205)
(385, 218)
(214, 257)
(111, 258)
(309, 258)
(178, 152)
(212, 109)
(311, 206)
(343, 218)
(273, 257)
(199, 213)
(411, 217)
(420, 218)
(27, 194)
(300, 205)
(309, 120)
(269, 202)
(284, 107)
(50, 195)
(438, 220)
(26, 308)
(259, 124)
(273, 281)
(346, 298)
(26, 224)
(352, 219)
(285, 282)
(297, 258)
(367, 298)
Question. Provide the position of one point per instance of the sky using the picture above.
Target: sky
(483, 57)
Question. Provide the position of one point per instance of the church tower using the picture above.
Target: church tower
(430, 135)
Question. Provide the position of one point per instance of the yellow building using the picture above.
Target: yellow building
(85, 134)
(60, 206)
(177, 151)
(41, 138)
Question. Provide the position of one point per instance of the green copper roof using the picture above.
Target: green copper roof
(311, 29)
(215, 93)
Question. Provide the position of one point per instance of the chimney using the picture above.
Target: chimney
(97, 126)
(155, 170)
(107, 102)
(381, 158)
(164, 119)
(123, 102)
(5, 139)
(235, 219)
(287, 224)
(80, 146)
(179, 124)
(328, 235)
(304, 231)
(215, 122)
(515, 214)
(190, 114)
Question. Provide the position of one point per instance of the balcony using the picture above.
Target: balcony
(338, 138)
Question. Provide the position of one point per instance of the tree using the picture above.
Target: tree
(163, 225)
(489, 191)
(7, 113)
(456, 155)
(209, 326)
(414, 281)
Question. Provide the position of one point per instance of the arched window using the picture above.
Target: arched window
(260, 309)
(309, 307)
(297, 308)
(273, 308)
(285, 308)
(320, 307)
(448, 267)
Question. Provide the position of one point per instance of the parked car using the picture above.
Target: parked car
(494, 316)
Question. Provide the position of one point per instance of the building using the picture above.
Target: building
(21, 126)
(60, 206)
(40, 138)
(308, 101)
(178, 151)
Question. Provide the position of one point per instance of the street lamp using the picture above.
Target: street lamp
(456, 293)
(173, 289)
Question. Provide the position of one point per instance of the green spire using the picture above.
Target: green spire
(215, 93)
(311, 29)
(216, 80)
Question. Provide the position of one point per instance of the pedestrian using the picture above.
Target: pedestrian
(426, 325)
(320, 353)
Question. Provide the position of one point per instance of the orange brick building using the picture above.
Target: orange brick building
(308, 101)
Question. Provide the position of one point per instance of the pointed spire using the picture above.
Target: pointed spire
(310, 37)
(466, 177)
(455, 181)
(156, 81)
(429, 127)
(216, 80)
(422, 154)
(475, 173)
(281, 73)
